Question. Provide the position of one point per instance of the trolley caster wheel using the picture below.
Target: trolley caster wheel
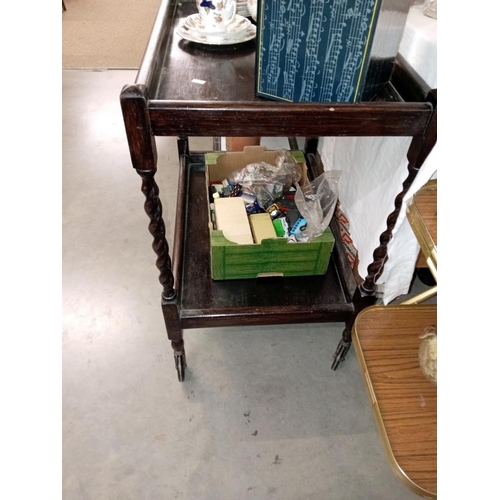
(180, 366)
(340, 354)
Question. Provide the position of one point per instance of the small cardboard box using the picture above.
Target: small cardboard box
(272, 257)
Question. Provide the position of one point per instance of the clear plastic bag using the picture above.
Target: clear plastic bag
(268, 182)
(316, 203)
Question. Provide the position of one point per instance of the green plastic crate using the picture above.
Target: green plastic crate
(273, 257)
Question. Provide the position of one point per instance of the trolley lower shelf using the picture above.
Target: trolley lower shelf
(208, 303)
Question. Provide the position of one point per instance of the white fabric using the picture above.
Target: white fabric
(419, 44)
(403, 249)
(374, 169)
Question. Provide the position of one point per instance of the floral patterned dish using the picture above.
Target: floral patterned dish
(194, 24)
(226, 38)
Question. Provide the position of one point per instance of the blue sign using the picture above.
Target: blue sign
(314, 50)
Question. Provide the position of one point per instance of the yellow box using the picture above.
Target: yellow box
(262, 227)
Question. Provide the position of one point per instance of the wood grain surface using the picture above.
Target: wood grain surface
(422, 216)
(387, 342)
(425, 205)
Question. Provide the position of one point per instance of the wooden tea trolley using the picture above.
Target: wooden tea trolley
(165, 101)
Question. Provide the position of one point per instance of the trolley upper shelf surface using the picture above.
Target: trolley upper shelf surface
(195, 89)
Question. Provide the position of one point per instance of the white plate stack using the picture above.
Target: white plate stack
(239, 31)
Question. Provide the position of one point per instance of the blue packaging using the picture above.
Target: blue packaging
(298, 227)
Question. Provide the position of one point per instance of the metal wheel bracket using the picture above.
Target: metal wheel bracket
(180, 364)
(340, 353)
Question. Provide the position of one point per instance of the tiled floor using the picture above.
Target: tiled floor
(260, 415)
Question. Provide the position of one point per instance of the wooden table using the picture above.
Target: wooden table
(422, 216)
(167, 99)
(386, 340)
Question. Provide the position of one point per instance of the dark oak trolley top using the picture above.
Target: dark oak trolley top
(164, 101)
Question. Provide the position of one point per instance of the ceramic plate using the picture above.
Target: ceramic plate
(218, 38)
(194, 24)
